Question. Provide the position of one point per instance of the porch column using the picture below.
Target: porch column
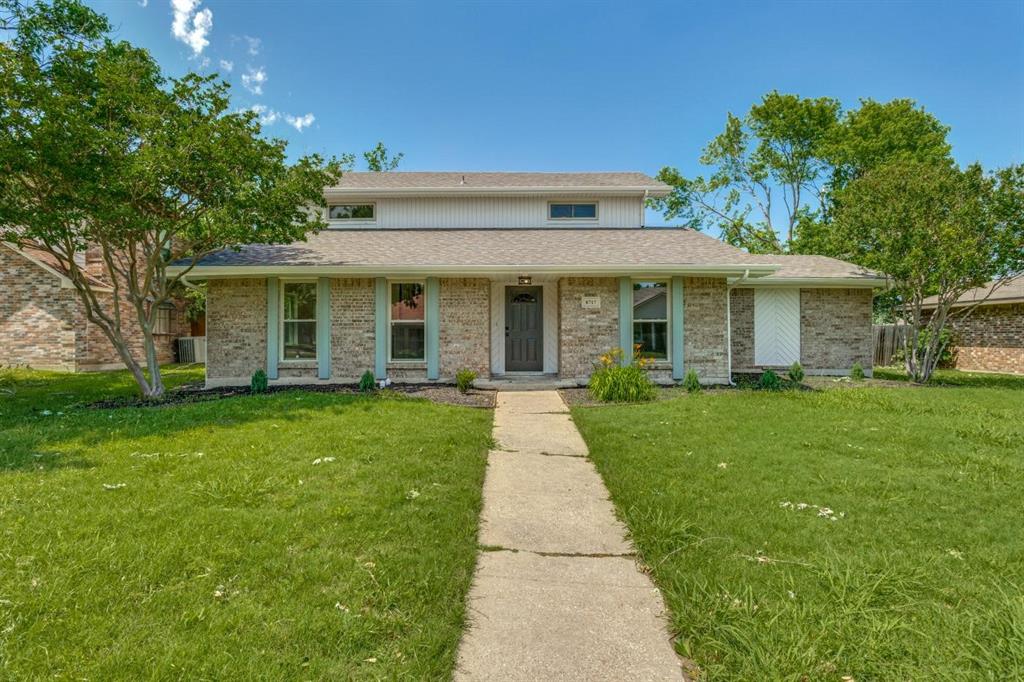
(323, 328)
(678, 370)
(380, 327)
(626, 319)
(273, 308)
(432, 327)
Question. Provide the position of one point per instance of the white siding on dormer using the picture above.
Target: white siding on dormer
(492, 212)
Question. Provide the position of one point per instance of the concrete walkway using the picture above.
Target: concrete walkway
(557, 594)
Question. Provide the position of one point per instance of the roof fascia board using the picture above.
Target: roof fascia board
(639, 190)
(216, 271)
(819, 282)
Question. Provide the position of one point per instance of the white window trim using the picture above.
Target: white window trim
(667, 320)
(280, 321)
(351, 221)
(595, 202)
(407, 361)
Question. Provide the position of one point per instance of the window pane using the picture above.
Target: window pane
(407, 341)
(300, 301)
(561, 210)
(584, 210)
(653, 339)
(351, 212)
(299, 340)
(407, 301)
(650, 301)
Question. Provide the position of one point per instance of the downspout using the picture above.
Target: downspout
(728, 321)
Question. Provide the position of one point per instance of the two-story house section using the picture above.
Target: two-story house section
(520, 274)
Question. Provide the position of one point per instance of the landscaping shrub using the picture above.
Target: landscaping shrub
(367, 382)
(258, 382)
(691, 382)
(613, 381)
(947, 355)
(769, 381)
(796, 373)
(857, 372)
(464, 379)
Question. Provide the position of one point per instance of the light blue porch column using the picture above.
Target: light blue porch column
(273, 307)
(678, 370)
(323, 328)
(380, 327)
(433, 328)
(626, 319)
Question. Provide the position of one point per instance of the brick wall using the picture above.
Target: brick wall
(236, 327)
(585, 334)
(741, 308)
(990, 339)
(835, 328)
(465, 331)
(97, 352)
(37, 316)
(704, 327)
(352, 328)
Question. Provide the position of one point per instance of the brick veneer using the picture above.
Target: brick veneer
(43, 324)
(704, 328)
(586, 333)
(990, 339)
(236, 327)
(465, 333)
(741, 311)
(352, 327)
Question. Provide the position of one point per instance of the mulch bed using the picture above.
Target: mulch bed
(195, 393)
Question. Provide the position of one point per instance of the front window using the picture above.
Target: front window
(585, 211)
(298, 326)
(350, 211)
(164, 314)
(650, 319)
(408, 332)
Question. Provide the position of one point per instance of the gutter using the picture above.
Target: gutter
(383, 269)
(462, 190)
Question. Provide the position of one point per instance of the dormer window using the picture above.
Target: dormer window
(567, 211)
(354, 212)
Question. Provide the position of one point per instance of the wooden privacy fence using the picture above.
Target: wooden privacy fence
(888, 339)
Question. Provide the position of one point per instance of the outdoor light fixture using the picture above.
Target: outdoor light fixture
(525, 280)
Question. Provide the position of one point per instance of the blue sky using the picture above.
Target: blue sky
(585, 86)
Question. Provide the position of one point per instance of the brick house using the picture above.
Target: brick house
(520, 274)
(991, 338)
(43, 323)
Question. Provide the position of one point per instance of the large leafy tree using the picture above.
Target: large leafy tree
(99, 149)
(932, 229)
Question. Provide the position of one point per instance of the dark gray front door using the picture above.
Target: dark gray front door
(524, 329)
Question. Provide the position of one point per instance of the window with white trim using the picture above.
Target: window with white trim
(354, 212)
(650, 319)
(407, 322)
(572, 211)
(298, 321)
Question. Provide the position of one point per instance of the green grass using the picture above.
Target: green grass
(200, 541)
(952, 377)
(920, 577)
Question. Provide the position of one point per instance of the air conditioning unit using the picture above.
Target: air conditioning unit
(192, 349)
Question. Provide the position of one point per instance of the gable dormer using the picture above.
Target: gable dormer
(411, 200)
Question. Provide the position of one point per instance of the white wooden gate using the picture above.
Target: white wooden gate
(776, 327)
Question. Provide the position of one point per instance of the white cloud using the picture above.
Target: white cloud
(190, 26)
(267, 116)
(226, 65)
(253, 80)
(254, 45)
(300, 122)
(143, 3)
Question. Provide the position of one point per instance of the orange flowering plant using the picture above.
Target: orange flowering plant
(614, 381)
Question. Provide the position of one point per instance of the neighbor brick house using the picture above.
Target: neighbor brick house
(991, 337)
(520, 274)
(43, 323)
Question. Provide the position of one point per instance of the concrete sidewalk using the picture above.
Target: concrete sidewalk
(557, 594)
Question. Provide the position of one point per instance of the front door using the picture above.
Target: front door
(524, 328)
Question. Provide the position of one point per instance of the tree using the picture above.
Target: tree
(98, 148)
(378, 159)
(932, 229)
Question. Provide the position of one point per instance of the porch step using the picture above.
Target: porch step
(538, 382)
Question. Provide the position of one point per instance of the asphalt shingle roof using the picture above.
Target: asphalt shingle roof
(1007, 293)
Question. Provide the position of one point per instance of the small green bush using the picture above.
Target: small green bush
(258, 382)
(691, 382)
(621, 384)
(796, 373)
(857, 372)
(464, 379)
(769, 381)
(367, 382)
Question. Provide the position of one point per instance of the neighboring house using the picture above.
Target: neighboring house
(43, 323)
(991, 337)
(421, 274)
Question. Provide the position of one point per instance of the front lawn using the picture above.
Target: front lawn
(856, 533)
(287, 536)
